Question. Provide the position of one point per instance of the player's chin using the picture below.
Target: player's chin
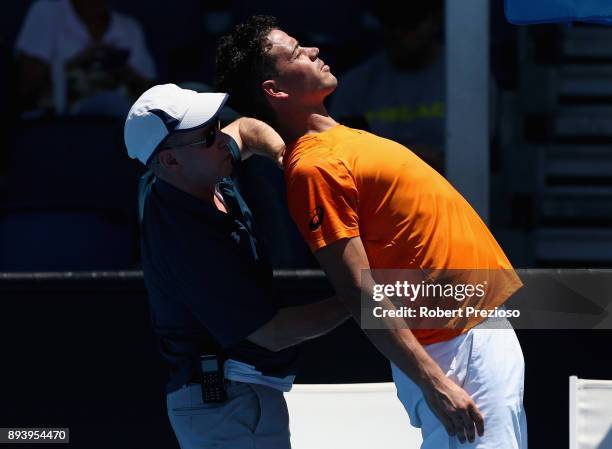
(331, 83)
(329, 75)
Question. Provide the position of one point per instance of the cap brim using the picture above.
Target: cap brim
(204, 108)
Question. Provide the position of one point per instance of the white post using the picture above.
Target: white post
(467, 100)
(573, 412)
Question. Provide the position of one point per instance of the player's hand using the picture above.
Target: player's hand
(455, 409)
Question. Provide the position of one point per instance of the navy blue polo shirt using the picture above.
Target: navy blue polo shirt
(209, 285)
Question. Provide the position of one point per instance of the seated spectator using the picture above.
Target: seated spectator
(80, 57)
(399, 93)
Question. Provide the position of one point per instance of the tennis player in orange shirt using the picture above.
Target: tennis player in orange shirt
(363, 202)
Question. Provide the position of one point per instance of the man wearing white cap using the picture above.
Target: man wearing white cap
(227, 336)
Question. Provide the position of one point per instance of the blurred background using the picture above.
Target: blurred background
(78, 351)
(65, 181)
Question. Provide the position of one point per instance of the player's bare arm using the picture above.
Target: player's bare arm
(346, 265)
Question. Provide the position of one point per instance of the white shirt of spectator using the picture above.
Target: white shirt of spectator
(53, 32)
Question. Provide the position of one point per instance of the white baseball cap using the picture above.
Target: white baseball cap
(164, 109)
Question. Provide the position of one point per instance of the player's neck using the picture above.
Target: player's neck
(294, 124)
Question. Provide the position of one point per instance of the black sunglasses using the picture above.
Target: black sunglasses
(208, 140)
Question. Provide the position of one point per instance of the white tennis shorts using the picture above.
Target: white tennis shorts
(488, 364)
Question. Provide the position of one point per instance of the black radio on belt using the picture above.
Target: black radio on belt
(211, 378)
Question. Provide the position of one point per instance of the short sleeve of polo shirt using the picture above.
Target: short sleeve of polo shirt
(323, 202)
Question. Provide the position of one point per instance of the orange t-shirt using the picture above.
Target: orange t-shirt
(344, 183)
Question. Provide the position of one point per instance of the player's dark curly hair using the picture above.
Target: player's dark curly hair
(243, 64)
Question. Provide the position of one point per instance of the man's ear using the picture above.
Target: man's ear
(167, 159)
(272, 90)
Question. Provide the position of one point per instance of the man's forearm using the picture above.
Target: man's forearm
(347, 266)
(260, 138)
(396, 342)
(402, 348)
(449, 402)
(294, 325)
